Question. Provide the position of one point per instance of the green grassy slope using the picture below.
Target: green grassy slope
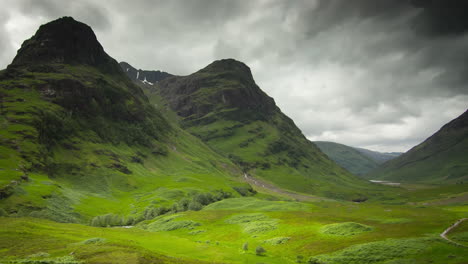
(222, 105)
(78, 140)
(442, 158)
(347, 157)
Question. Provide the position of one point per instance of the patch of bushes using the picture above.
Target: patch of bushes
(245, 190)
(195, 202)
(345, 229)
(111, 220)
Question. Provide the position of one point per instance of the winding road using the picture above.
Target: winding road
(446, 231)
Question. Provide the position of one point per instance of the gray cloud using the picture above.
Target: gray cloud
(370, 73)
(81, 10)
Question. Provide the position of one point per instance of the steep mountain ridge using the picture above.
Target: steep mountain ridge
(442, 158)
(222, 105)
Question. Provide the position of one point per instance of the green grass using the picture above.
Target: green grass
(255, 204)
(412, 250)
(218, 235)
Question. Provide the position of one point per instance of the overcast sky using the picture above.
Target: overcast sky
(378, 74)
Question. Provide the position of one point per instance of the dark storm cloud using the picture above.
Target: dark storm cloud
(441, 17)
(383, 74)
(52, 9)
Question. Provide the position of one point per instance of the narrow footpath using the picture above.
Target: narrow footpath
(450, 228)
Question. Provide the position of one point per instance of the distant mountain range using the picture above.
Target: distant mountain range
(358, 161)
(442, 158)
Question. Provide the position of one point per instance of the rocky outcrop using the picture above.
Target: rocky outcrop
(65, 41)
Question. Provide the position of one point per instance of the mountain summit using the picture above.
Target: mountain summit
(225, 87)
(66, 41)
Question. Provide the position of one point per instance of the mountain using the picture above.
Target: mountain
(442, 158)
(222, 105)
(148, 77)
(358, 161)
(347, 157)
(79, 141)
(379, 157)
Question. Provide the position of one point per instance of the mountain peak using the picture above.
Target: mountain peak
(64, 40)
(239, 68)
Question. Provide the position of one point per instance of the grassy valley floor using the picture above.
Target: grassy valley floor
(318, 232)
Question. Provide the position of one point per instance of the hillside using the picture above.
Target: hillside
(358, 161)
(347, 157)
(79, 139)
(442, 158)
(222, 105)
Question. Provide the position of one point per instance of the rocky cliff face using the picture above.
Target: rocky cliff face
(65, 41)
(223, 85)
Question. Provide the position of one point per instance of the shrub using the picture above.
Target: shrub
(245, 190)
(260, 251)
(314, 260)
(167, 224)
(245, 247)
(108, 220)
(204, 198)
(195, 206)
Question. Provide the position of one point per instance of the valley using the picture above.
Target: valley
(104, 163)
